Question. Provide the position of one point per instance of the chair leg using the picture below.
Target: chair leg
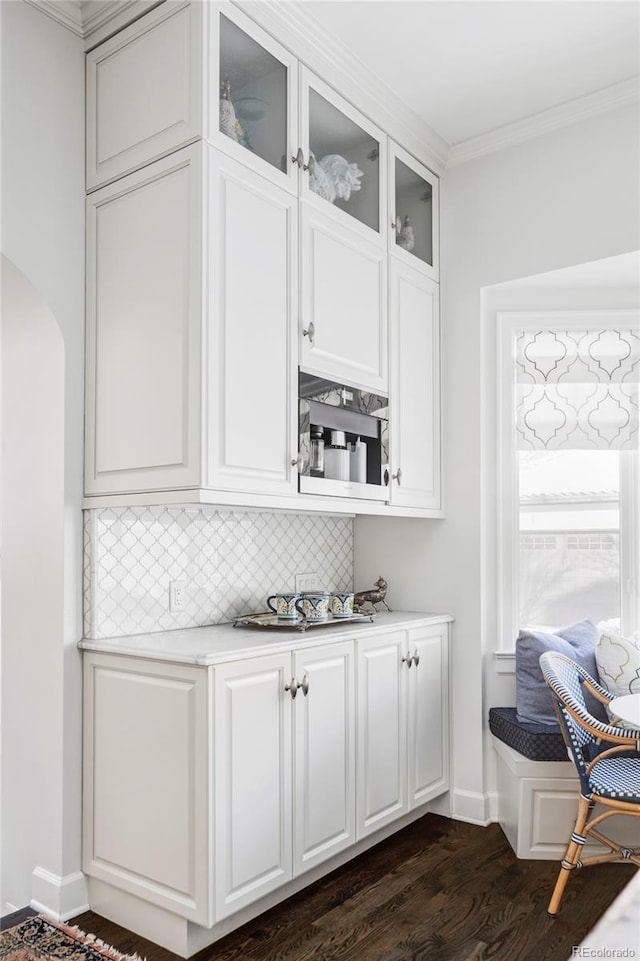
(570, 859)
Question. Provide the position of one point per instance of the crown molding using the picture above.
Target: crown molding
(622, 94)
(65, 12)
(93, 20)
(294, 27)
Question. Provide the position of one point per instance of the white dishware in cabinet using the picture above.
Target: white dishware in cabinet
(402, 724)
(192, 284)
(284, 769)
(414, 409)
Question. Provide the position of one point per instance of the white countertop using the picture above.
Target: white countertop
(223, 642)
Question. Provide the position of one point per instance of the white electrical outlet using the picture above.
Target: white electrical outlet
(307, 582)
(176, 596)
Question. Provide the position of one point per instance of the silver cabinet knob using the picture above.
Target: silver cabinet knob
(397, 476)
(292, 687)
(299, 158)
(305, 685)
(298, 462)
(408, 660)
(310, 332)
(416, 657)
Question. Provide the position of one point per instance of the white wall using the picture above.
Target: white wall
(42, 150)
(566, 198)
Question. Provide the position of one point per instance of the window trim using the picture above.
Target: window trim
(507, 494)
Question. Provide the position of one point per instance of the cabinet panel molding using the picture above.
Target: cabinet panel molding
(143, 329)
(144, 95)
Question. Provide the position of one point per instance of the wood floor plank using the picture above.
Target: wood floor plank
(439, 890)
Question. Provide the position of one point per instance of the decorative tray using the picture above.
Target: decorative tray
(270, 622)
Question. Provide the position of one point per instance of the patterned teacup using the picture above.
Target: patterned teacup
(314, 606)
(284, 605)
(341, 604)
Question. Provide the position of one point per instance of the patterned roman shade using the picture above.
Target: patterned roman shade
(577, 389)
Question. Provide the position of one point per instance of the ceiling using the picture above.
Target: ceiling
(470, 67)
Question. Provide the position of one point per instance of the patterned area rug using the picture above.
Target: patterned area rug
(40, 938)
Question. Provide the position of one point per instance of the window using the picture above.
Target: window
(569, 484)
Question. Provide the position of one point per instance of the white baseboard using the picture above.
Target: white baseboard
(472, 807)
(59, 897)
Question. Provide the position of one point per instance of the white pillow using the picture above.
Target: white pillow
(618, 660)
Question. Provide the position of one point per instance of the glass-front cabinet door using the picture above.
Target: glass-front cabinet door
(255, 109)
(413, 214)
(343, 158)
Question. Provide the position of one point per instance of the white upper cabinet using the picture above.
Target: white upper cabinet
(190, 330)
(143, 329)
(342, 159)
(343, 306)
(414, 406)
(414, 226)
(144, 92)
(255, 117)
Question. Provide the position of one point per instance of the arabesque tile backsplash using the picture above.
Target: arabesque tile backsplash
(230, 561)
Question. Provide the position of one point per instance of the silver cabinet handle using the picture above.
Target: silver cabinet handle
(416, 657)
(408, 660)
(305, 685)
(292, 687)
(298, 462)
(299, 158)
(310, 332)
(397, 476)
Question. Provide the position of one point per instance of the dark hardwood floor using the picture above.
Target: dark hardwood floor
(439, 890)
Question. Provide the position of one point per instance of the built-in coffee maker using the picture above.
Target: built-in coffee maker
(343, 442)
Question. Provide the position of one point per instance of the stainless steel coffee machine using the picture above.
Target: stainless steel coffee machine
(343, 442)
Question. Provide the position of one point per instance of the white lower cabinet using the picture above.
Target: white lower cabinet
(207, 788)
(402, 729)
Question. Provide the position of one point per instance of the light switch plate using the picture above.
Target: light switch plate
(307, 582)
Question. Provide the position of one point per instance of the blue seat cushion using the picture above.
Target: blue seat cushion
(539, 742)
(534, 702)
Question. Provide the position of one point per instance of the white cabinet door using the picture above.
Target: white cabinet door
(145, 794)
(254, 96)
(252, 398)
(343, 327)
(252, 778)
(324, 753)
(415, 388)
(343, 172)
(382, 731)
(144, 91)
(144, 314)
(414, 234)
(428, 717)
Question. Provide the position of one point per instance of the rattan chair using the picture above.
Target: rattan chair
(607, 759)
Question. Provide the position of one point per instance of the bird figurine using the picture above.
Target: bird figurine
(230, 126)
(372, 597)
(405, 238)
